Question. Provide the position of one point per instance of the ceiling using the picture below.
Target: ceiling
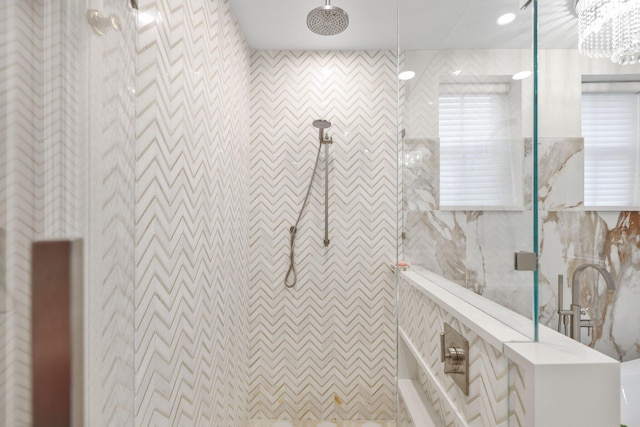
(423, 24)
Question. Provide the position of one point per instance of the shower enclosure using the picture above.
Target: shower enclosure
(175, 147)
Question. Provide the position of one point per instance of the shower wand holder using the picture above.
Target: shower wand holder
(325, 140)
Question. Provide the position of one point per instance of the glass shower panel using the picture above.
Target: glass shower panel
(467, 150)
(589, 138)
(67, 117)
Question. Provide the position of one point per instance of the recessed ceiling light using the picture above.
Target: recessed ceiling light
(406, 75)
(456, 72)
(505, 19)
(521, 75)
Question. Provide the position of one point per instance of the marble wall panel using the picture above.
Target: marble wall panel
(436, 240)
(609, 239)
(560, 173)
(421, 174)
(475, 249)
(492, 239)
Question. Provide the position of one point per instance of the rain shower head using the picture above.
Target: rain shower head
(327, 20)
(321, 124)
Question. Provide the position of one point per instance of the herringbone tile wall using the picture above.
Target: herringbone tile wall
(109, 194)
(519, 396)
(192, 183)
(326, 348)
(21, 125)
(490, 388)
(69, 174)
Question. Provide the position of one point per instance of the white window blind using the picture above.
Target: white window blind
(611, 138)
(476, 160)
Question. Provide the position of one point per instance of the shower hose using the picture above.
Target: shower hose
(291, 273)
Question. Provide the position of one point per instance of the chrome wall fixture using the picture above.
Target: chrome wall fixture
(576, 317)
(454, 353)
(326, 140)
(102, 24)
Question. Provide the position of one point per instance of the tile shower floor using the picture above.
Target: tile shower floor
(281, 423)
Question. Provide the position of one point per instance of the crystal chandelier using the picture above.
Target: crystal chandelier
(609, 29)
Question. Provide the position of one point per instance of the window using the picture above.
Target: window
(611, 140)
(476, 150)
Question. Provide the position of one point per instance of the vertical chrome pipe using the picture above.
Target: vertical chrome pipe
(560, 292)
(560, 299)
(575, 322)
(326, 193)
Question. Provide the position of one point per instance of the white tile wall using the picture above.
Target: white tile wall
(70, 174)
(192, 216)
(191, 325)
(104, 202)
(487, 404)
(326, 348)
(21, 124)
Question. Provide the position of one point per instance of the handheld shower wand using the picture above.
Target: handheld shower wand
(321, 125)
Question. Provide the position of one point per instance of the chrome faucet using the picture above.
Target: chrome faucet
(574, 313)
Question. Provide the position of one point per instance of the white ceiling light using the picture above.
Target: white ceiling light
(521, 75)
(609, 29)
(505, 19)
(406, 75)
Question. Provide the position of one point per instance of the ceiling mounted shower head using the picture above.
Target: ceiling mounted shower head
(327, 20)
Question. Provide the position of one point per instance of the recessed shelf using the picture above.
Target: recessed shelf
(417, 402)
(413, 398)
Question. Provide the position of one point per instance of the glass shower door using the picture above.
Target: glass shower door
(67, 117)
(589, 194)
(467, 151)
(468, 176)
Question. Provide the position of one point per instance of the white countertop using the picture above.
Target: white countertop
(500, 326)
